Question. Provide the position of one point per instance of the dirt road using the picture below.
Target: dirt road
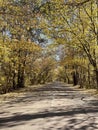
(55, 106)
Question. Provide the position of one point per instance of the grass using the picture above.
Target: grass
(19, 92)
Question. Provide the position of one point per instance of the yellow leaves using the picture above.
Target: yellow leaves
(2, 78)
(72, 59)
(4, 51)
(1, 2)
(57, 1)
(23, 45)
(60, 41)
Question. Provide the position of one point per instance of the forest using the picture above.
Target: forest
(48, 40)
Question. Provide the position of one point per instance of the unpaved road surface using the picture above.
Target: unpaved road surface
(55, 106)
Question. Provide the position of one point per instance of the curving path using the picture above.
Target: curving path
(56, 106)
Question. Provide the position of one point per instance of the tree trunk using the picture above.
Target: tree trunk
(14, 82)
(20, 81)
(75, 78)
(89, 76)
(96, 71)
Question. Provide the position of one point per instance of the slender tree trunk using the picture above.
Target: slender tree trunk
(19, 78)
(14, 82)
(89, 77)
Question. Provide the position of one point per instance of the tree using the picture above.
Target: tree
(75, 23)
(19, 20)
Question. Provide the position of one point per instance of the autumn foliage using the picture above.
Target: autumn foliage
(69, 29)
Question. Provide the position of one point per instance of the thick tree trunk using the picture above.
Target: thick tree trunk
(96, 71)
(20, 81)
(75, 78)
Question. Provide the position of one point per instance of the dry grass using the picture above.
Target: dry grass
(19, 92)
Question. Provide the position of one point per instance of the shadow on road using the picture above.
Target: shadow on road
(71, 114)
(46, 92)
(73, 118)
